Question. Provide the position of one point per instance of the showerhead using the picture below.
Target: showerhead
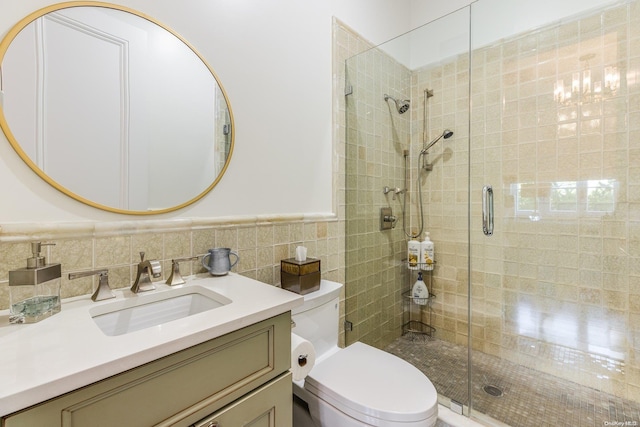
(401, 105)
(446, 135)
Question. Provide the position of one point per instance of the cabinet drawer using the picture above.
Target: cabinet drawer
(195, 381)
(269, 406)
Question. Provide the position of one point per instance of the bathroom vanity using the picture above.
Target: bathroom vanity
(225, 366)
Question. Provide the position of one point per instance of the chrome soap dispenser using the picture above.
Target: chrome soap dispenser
(34, 291)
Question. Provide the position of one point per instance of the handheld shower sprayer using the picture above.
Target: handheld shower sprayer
(426, 165)
(401, 105)
(446, 135)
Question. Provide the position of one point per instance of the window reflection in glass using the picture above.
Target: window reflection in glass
(562, 198)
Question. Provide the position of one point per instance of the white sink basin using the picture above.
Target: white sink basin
(156, 308)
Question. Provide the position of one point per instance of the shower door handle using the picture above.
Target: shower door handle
(487, 210)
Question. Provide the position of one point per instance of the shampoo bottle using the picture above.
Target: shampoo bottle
(426, 253)
(420, 292)
(413, 254)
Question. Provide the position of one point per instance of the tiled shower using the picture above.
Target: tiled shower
(550, 119)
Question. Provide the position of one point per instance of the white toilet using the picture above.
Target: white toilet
(358, 385)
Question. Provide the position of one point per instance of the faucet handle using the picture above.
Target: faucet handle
(155, 268)
(176, 278)
(103, 291)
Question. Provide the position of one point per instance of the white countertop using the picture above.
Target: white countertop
(67, 350)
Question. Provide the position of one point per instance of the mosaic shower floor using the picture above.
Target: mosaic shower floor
(529, 398)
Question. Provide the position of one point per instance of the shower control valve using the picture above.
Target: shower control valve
(387, 219)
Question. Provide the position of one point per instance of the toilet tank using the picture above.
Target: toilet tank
(317, 319)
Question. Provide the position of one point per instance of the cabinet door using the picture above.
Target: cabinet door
(269, 406)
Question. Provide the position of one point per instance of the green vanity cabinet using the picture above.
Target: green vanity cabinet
(238, 379)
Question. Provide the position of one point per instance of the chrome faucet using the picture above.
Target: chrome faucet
(146, 270)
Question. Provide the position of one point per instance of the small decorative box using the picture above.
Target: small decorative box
(300, 277)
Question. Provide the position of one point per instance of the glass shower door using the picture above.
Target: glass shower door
(555, 288)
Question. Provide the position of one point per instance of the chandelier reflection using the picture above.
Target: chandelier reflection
(588, 85)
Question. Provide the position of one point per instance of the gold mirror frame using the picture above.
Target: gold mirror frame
(4, 46)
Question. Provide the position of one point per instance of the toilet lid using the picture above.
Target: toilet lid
(369, 384)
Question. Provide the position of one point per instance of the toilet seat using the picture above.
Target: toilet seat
(374, 387)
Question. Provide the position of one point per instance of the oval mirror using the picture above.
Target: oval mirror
(113, 109)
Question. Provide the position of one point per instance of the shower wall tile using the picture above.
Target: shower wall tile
(377, 133)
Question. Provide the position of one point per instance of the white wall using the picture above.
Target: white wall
(274, 59)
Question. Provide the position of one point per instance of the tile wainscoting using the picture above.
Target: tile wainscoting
(260, 241)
